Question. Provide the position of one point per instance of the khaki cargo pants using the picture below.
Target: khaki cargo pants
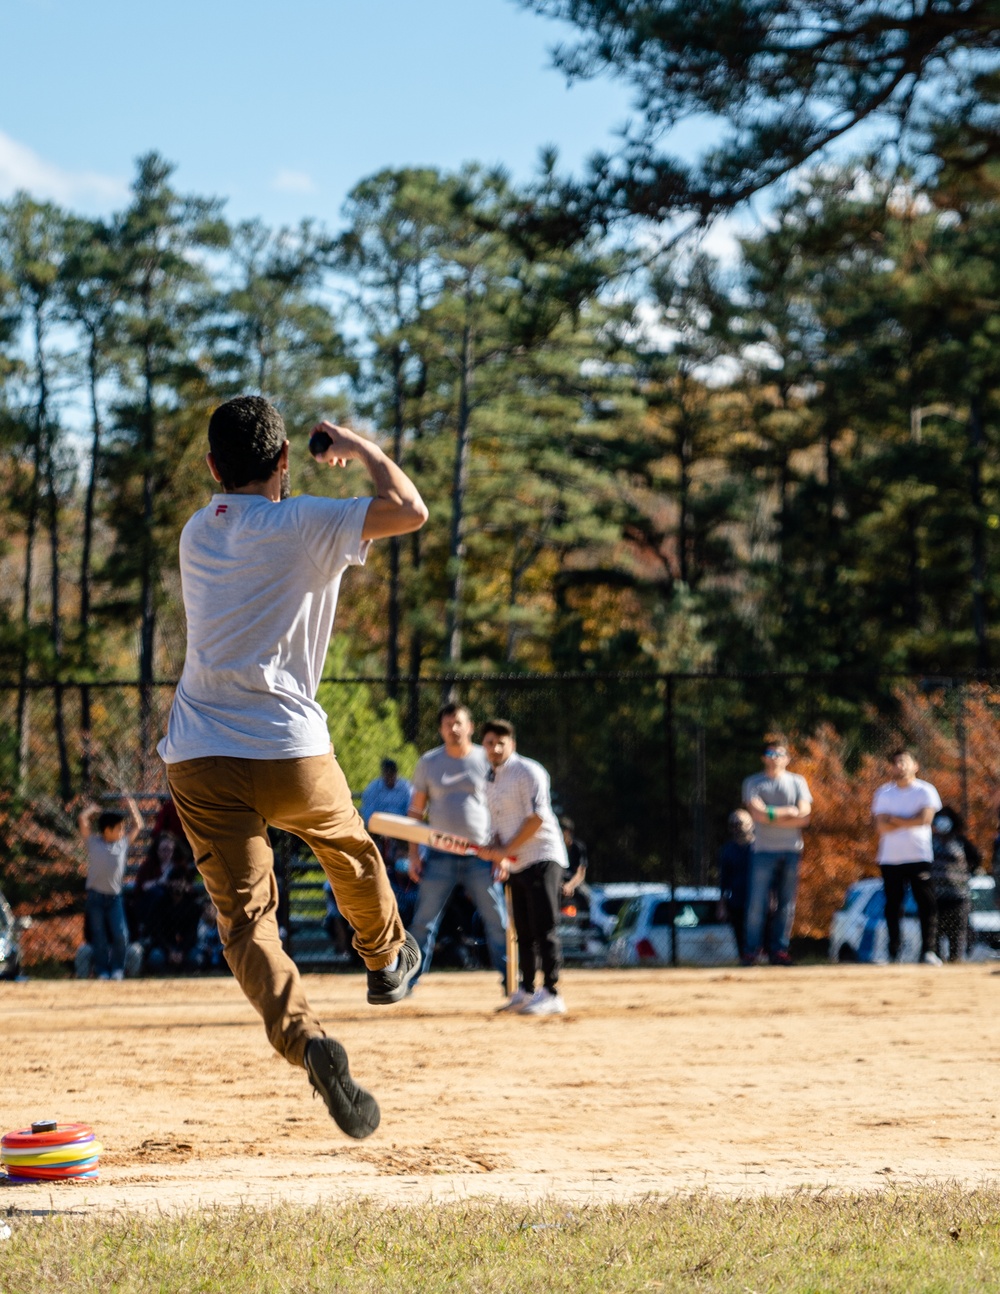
(225, 805)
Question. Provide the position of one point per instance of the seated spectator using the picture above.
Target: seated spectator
(208, 946)
(339, 932)
(173, 925)
(151, 879)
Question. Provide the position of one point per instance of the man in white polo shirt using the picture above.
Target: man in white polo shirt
(248, 745)
(903, 810)
(526, 833)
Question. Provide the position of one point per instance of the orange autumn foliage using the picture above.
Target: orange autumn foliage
(841, 841)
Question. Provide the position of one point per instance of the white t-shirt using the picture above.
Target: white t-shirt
(106, 863)
(906, 844)
(260, 583)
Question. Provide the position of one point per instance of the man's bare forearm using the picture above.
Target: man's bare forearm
(390, 481)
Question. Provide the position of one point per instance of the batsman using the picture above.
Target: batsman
(247, 744)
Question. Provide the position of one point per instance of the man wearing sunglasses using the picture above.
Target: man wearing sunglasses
(779, 803)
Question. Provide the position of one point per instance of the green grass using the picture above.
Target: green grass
(908, 1241)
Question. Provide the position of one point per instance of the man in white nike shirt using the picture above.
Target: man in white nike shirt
(449, 789)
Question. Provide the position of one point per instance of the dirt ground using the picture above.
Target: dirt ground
(734, 1081)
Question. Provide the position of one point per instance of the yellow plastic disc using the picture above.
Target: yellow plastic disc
(70, 1154)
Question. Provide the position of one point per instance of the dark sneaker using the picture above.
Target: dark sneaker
(352, 1109)
(781, 959)
(386, 986)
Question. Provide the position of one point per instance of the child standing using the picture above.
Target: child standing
(107, 839)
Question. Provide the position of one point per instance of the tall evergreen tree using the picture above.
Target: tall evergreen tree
(395, 224)
(164, 283)
(35, 239)
(785, 78)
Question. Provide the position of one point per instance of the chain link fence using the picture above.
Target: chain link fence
(648, 766)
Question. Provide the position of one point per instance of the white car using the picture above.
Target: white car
(644, 934)
(10, 940)
(606, 901)
(858, 931)
(984, 918)
(587, 920)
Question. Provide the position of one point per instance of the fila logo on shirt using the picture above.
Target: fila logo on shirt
(223, 507)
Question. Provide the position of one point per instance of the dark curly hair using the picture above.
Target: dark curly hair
(246, 436)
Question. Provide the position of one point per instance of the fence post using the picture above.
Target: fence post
(671, 842)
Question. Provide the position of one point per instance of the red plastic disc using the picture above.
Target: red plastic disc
(64, 1135)
(18, 1179)
(48, 1174)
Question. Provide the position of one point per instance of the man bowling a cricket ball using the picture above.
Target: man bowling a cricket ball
(248, 746)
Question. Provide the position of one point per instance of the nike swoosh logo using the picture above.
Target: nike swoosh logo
(448, 779)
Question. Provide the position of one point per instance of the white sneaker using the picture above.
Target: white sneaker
(118, 974)
(544, 1003)
(516, 1000)
(931, 959)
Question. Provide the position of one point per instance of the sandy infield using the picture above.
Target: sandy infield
(734, 1081)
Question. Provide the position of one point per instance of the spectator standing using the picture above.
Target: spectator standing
(391, 793)
(779, 803)
(449, 789)
(388, 793)
(576, 852)
(903, 810)
(973, 857)
(528, 848)
(107, 839)
(950, 876)
(734, 875)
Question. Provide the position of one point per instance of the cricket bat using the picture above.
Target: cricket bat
(399, 827)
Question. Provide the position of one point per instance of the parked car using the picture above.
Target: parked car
(644, 935)
(858, 931)
(606, 901)
(10, 940)
(984, 918)
(587, 921)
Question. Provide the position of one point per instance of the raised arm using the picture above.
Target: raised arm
(397, 508)
(85, 820)
(135, 826)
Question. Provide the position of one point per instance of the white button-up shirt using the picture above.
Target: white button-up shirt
(514, 791)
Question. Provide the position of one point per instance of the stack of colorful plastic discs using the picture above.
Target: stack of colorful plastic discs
(50, 1152)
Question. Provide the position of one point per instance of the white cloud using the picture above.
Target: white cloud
(21, 168)
(293, 182)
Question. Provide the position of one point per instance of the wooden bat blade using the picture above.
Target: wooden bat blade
(398, 827)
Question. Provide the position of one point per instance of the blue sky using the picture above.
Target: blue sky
(281, 108)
